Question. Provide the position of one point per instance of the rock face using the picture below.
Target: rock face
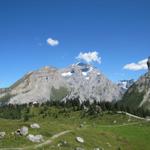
(80, 80)
(138, 95)
(35, 138)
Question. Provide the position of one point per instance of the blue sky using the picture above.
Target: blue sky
(119, 30)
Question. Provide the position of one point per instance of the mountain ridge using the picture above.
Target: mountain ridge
(77, 80)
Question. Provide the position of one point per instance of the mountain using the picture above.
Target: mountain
(138, 95)
(125, 84)
(79, 80)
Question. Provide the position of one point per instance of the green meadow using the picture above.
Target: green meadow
(108, 131)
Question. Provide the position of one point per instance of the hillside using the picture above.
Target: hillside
(138, 95)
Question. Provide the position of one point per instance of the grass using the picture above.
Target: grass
(96, 132)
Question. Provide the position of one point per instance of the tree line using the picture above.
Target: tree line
(87, 108)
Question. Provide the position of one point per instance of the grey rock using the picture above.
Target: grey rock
(79, 148)
(79, 139)
(114, 121)
(35, 138)
(35, 125)
(24, 130)
(2, 135)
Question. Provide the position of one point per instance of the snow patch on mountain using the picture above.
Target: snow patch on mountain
(66, 74)
(84, 73)
(87, 78)
(125, 84)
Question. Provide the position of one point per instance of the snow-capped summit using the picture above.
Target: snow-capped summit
(125, 84)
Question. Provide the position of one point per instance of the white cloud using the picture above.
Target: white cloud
(141, 65)
(52, 42)
(89, 57)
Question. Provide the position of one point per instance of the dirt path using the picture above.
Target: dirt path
(41, 144)
(131, 115)
(119, 125)
(52, 138)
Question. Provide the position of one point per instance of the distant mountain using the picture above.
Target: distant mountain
(125, 84)
(138, 95)
(79, 80)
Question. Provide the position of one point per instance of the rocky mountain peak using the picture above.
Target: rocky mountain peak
(125, 84)
(48, 83)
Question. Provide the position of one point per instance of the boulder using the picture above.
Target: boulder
(79, 139)
(35, 138)
(35, 126)
(24, 130)
(2, 135)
